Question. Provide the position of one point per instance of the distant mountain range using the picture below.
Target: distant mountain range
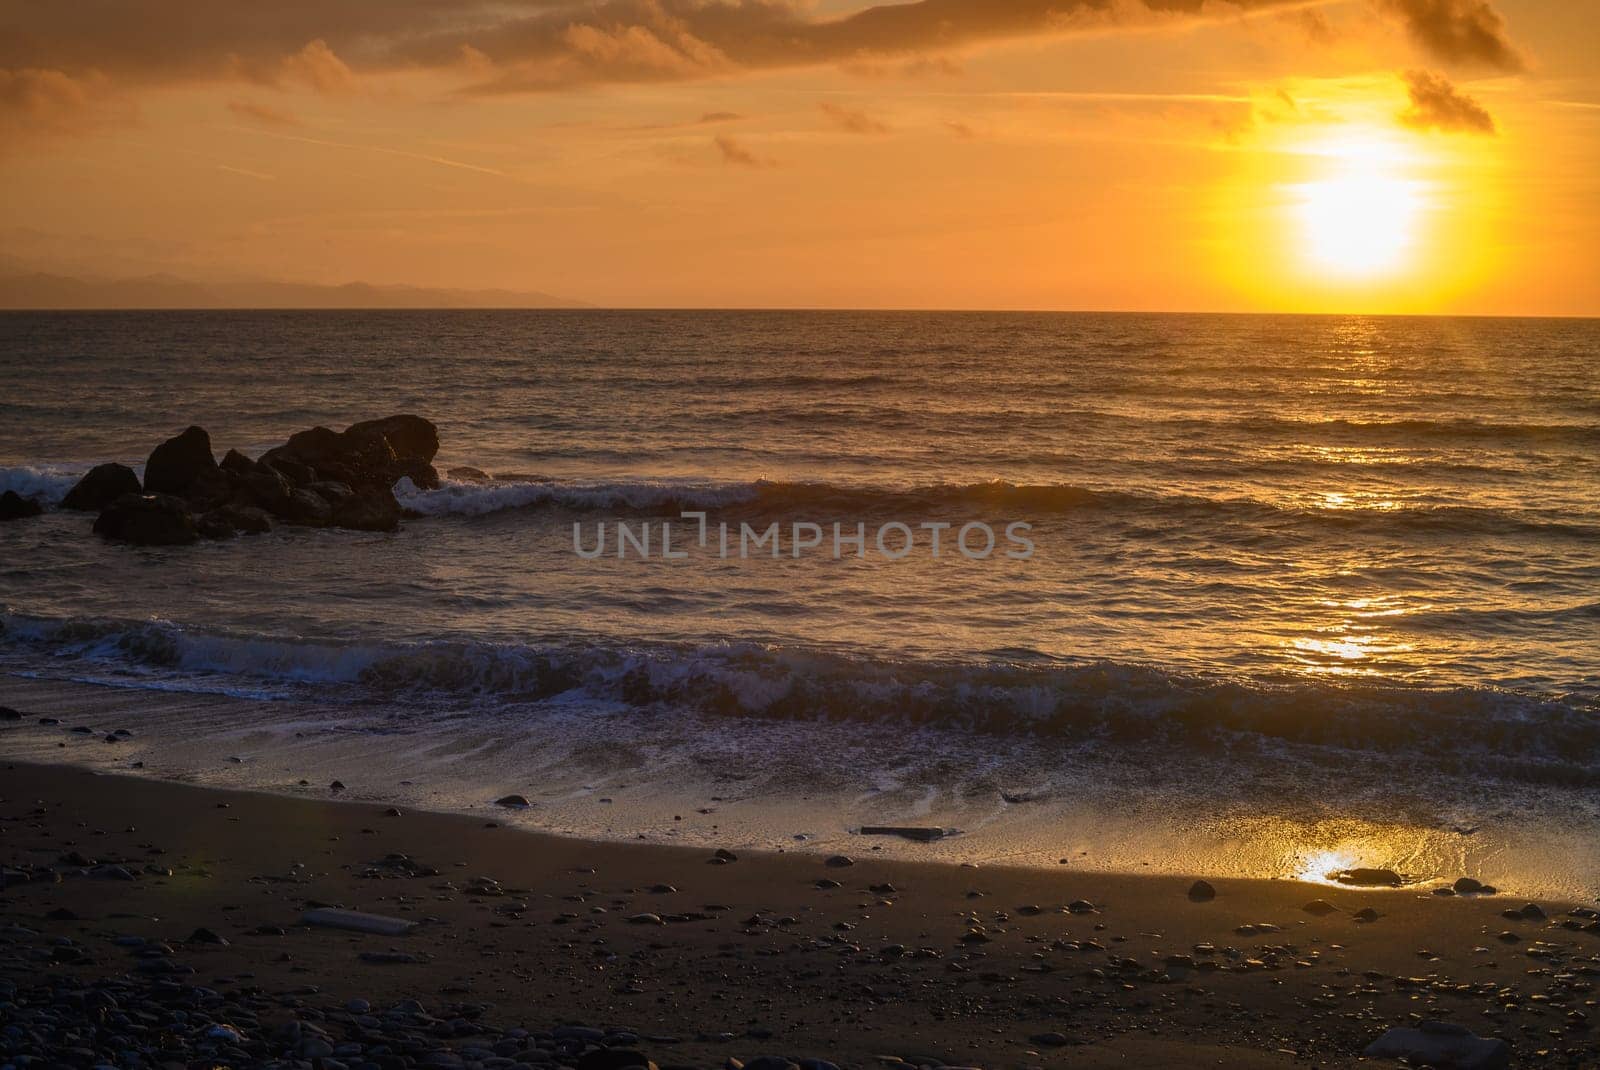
(41, 290)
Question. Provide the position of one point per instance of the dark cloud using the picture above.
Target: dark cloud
(1459, 31)
(852, 120)
(1438, 105)
(734, 152)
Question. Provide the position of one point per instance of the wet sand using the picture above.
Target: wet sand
(771, 953)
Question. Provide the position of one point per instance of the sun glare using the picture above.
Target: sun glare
(1361, 219)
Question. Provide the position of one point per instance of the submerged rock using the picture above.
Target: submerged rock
(1202, 891)
(307, 509)
(372, 509)
(14, 506)
(148, 520)
(102, 485)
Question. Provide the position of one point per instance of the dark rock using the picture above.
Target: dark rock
(307, 510)
(211, 488)
(411, 437)
(213, 525)
(313, 445)
(14, 506)
(330, 490)
(1441, 1044)
(614, 1059)
(421, 473)
(267, 487)
(840, 861)
(297, 473)
(147, 520)
(178, 462)
(1201, 891)
(371, 509)
(206, 936)
(923, 835)
(1370, 878)
(9, 714)
(245, 518)
(103, 484)
(1466, 886)
(512, 800)
(1319, 907)
(236, 463)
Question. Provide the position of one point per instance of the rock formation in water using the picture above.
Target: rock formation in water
(318, 478)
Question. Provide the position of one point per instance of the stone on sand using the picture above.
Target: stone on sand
(1369, 878)
(1441, 1044)
(909, 832)
(357, 921)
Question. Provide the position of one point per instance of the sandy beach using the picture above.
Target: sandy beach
(689, 959)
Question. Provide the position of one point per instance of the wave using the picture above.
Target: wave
(45, 483)
(1461, 730)
(823, 501)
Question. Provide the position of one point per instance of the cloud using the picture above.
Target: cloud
(1459, 31)
(35, 100)
(856, 122)
(265, 116)
(1438, 105)
(735, 154)
(318, 67)
(525, 45)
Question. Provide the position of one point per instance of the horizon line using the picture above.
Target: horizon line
(886, 310)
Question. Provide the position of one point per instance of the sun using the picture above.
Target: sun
(1360, 220)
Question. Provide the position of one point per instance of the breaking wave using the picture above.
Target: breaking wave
(820, 500)
(1458, 729)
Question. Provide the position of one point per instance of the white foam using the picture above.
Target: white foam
(454, 498)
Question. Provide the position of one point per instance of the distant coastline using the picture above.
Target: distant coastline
(40, 291)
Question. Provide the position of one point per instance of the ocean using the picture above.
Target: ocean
(1300, 588)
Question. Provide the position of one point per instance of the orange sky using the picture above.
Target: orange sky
(1357, 155)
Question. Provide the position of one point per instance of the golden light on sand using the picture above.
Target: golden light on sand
(1318, 867)
(1361, 219)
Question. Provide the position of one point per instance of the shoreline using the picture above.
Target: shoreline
(770, 953)
(753, 783)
